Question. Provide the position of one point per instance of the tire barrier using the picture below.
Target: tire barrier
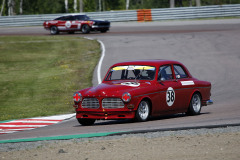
(144, 15)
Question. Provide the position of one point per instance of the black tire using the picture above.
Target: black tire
(54, 30)
(103, 31)
(195, 105)
(143, 111)
(86, 122)
(85, 29)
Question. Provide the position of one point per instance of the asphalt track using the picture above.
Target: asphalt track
(209, 48)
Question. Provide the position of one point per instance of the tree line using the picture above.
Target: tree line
(28, 7)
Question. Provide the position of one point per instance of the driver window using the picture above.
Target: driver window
(165, 73)
(179, 72)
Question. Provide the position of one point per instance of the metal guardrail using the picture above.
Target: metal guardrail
(132, 15)
(196, 12)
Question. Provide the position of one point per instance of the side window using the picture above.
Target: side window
(179, 72)
(59, 18)
(79, 17)
(165, 73)
(68, 18)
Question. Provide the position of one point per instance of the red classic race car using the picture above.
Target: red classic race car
(73, 23)
(140, 89)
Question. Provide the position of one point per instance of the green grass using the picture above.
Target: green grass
(39, 74)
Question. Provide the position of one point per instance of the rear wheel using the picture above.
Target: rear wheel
(85, 29)
(195, 105)
(86, 122)
(143, 111)
(54, 30)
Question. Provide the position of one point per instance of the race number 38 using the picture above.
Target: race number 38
(170, 96)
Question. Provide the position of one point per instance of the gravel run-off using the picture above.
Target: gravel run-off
(198, 144)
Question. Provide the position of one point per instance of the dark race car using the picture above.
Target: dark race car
(73, 23)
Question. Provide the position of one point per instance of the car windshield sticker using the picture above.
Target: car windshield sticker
(186, 83)
(133, 68)
(132, 84)
(119, 68)
(68, 24)
(170, 96)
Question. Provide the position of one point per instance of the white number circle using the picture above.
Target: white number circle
(68, 24)
(79, 25)
(170, 96)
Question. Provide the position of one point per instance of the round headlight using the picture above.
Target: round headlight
(126, 97)
(77, 97)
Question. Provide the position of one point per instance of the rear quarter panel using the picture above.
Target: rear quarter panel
(204, 88)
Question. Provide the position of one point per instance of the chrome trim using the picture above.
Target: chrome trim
(101, 26)
(92, 103)
(111, 103)
(209, 102)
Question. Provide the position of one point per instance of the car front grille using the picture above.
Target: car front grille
(102, 23)
(112, 103)
(92, 103)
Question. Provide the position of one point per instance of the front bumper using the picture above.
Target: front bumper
(106, 115)
(100, 26)
(209, 102)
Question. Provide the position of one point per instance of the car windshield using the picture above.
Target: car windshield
(131, 72)
(81, 17)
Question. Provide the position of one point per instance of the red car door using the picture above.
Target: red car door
(168, 87)
(68, 23)
(186, 86)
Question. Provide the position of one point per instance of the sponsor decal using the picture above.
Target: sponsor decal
(170, 96)
(68, 24)
(132, 84)
(53, 22)
(187, 83)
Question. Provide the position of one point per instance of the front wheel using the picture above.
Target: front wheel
(54, 30)
(143, 111)
(195, 105)
(86, 122)
(85, 29)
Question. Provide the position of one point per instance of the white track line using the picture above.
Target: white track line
(101, 59)
(100, 62)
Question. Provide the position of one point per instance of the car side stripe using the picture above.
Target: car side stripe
(166, 91)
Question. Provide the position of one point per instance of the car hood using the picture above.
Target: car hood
(114, 89)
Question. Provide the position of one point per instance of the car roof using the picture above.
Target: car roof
(154, 62)
(78, 14)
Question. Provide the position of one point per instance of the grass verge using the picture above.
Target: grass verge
(39, 74)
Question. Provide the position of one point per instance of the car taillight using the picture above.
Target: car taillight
(77, 97)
